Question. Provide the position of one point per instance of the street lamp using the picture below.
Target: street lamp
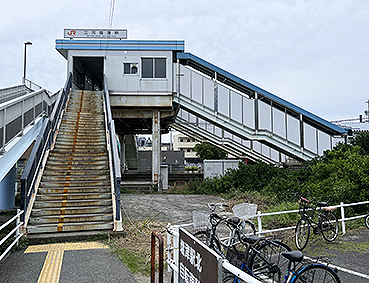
(25, 56)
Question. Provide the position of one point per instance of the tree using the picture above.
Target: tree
(207, 151)
(361, 140)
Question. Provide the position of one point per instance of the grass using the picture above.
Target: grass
(135, 248)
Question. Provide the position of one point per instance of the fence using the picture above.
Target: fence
(16, 230)
(173, 251)
(173, 240)
(343, 220)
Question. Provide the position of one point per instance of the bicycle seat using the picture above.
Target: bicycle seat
(327, 208)
(321, 204)
(251, 239)
(234, 220)
(294, 256)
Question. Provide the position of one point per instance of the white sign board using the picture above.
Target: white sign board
(96, 33)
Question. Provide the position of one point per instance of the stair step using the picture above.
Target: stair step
(71, 218)
(78, 167)
(88, 157)
(61, 190)
(72, 179)
(77, 162)
(75, 172)
(78, 138)
(73, 196)
(68, 227)
(72, 203)
(54, 184)
(79, 148)
(48, 211)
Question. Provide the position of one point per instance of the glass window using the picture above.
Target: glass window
(147, 68)
(130, 68)
(160, 68)
(154, 68)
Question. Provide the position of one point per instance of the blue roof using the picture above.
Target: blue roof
(162, 45)
(324, 123)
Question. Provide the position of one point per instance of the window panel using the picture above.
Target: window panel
(147, 68)
(160, 68)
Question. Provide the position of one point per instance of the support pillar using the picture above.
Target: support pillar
(156, 148)
(7, 190)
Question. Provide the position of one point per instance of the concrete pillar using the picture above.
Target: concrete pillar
(7, 190)
(156, 148)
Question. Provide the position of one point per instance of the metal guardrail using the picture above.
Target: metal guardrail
(114, 156)
(31, 84)
(173, 240)
(259, 215)
(15, 231)
(44, 141)
(173, 248)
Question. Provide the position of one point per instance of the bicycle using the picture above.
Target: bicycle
(299, 273)
(366, 220)
(258, 256)
(327, 224)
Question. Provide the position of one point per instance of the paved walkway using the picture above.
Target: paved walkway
(66, 262)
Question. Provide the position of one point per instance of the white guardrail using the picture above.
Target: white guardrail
(15, 231)
(173, 240)
(259, 215)
(173, 250)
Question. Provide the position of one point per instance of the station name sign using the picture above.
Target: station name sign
(96, 33)
(197, 263)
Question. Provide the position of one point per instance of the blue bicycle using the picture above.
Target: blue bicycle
(296, 272)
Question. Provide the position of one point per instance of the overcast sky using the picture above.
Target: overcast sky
(313, 53)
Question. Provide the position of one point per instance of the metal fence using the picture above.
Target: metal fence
(44, 141)
(343, 220)
(173, 239)
(15, 231)
(114, 160)
(173, 251)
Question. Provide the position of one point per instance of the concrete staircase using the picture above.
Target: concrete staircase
(75, 190)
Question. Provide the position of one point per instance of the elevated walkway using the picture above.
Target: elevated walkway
(245, 120)
(22, 112)
(74, 193)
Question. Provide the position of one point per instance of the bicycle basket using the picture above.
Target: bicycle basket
(305, 209)
(236, 254)
(200, 220)
(245, 210)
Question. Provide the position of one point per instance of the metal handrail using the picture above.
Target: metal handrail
(18, 235)
(44, 141)
(115, 160)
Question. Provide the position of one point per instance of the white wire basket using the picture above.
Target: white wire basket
(201, 220)
(245, 210)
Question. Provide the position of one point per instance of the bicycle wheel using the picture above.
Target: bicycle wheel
(267, 263)
(302, 233)
(366, 219)
(316, 273)
(329, 226)
(206, 238)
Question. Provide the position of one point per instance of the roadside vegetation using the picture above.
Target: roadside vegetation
(340, 174)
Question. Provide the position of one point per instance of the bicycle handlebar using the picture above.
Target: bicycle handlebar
(212, 206)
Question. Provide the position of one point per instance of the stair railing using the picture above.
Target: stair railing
(114, 160)
(44, 142)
